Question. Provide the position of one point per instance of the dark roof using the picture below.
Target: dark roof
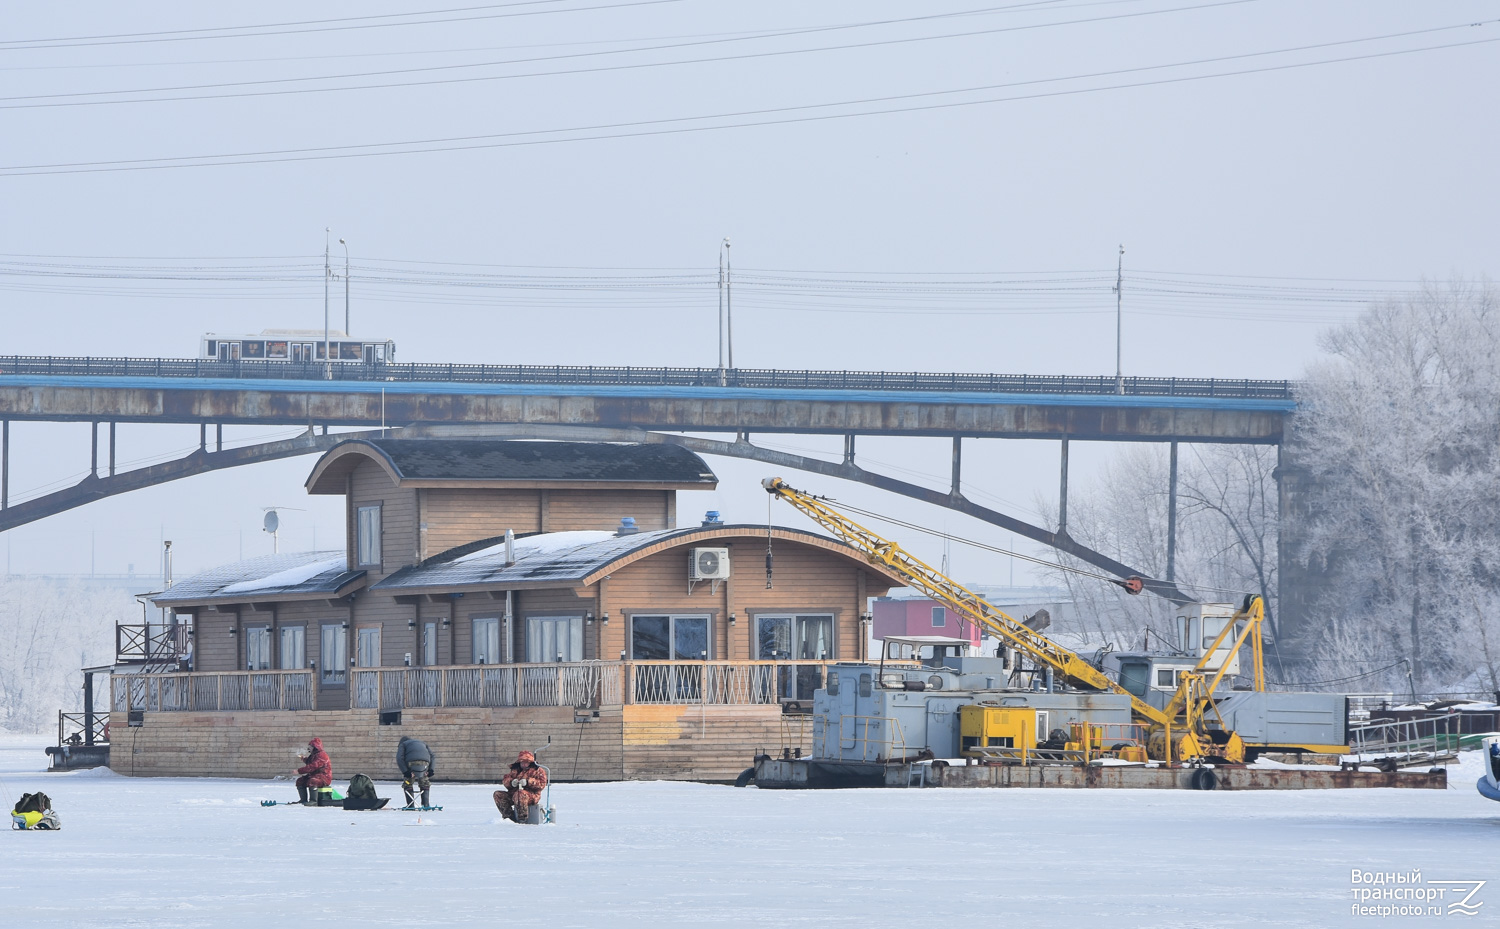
(485, 460)
(567, 558)
(300, 575)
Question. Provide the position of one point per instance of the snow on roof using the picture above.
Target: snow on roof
(549, 543)
(290, 574)
(291, 577)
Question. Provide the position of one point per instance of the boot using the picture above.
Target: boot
(426, 801)
(302, 794)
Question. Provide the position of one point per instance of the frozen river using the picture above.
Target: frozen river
(203, 852)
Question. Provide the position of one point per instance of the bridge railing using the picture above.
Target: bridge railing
(629, 376)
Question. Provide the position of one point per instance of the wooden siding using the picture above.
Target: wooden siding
(635, 742)
(457, 517)
(805, 579)
(602, 509)
(370, 485)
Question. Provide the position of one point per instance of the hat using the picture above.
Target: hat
(526, 756)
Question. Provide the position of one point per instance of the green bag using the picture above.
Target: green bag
(361, 788)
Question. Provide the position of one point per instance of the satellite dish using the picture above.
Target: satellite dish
(272, 521)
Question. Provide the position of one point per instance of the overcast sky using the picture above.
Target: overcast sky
(954, 229)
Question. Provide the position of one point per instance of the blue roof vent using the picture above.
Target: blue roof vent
(627, 526)
(711, 518)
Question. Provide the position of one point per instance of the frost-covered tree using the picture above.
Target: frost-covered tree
(1399, 436)
(48, 631)
(1226, 536)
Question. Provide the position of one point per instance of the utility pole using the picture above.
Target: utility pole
(729, 303)
(723, 379)
(346, 285)
(1119, 325)
(327, 273)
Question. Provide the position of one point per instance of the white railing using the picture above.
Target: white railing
(213, 691)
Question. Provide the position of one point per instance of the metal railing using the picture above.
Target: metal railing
(1409, 741)
(618, 376)
(150, 644)
(213, 691)
(73, 728)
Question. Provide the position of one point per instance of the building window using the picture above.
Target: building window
(670, 638)
(368, 536)
(487, 640)
(554, 638)
(429, 644)
(333, 654)
(258, 648)
(367, 647)
(939, 617)
(798, 638)
(293, 648)
(1166, 677)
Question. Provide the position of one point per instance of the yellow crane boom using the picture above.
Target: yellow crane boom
(922, 576)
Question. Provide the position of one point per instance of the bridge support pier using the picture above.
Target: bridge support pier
(219, 437)
(849, 448)
(94, 449)
(5, 465)
(203, 437)
(112, 449)
(1062, 493)
(1172, 518)
(958, 457)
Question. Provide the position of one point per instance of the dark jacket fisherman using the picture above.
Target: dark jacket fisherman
(417, 764)
(316, 771)
(524, 784)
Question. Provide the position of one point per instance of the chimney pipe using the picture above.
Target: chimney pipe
(510, 547)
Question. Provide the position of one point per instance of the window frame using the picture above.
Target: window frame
(575, 635)
(299, 635)
(672, 618)
(360, 632)
(474, 623)
(794, 616)
(333, 676)
(360, 561)
(939, 617)
(261, 634)
(429, 649)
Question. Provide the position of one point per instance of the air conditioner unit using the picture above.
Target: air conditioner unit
(708, 564)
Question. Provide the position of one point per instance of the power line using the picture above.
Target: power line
(69, 99)
(316, 25)
(673, 126)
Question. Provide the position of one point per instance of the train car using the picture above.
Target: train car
(299, 345)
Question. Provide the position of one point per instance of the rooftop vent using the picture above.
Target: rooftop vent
(627, 526)
(510, 547)
(711, 518)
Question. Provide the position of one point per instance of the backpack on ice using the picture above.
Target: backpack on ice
(34, 811)
(362, 794)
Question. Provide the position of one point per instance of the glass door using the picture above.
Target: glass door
(293, 648)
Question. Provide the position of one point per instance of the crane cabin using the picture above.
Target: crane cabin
(295, 345)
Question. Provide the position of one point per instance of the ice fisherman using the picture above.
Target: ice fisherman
(523, 787)
(417, 763)
(316, 771)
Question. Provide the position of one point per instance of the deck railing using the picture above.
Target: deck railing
(213, 691)
(588, 684)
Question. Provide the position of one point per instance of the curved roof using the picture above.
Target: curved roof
(292, 576)
(514, 463)
(569, 559)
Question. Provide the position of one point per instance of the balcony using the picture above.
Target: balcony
(579, 684)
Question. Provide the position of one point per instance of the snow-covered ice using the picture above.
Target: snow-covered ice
(186, 852)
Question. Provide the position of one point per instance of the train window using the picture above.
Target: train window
(211, 348)
(318, 350)
(255, 349)
(275, 349)
(349, 351)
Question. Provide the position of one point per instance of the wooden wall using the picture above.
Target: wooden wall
(369, 484)
(623, 743)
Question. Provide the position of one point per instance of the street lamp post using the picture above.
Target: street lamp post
(346, 286)
(327, 273)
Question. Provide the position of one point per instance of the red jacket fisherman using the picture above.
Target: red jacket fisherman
(524, 784)
(316, 771)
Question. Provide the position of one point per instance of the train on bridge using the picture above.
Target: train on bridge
(295, 345)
